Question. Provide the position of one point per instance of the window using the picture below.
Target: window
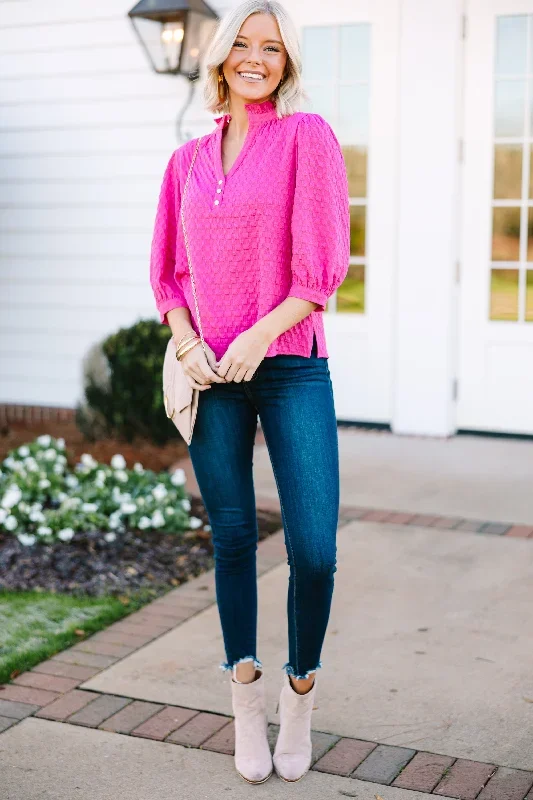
(511, 273)
(336, 66)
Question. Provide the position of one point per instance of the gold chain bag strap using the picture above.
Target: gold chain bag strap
(181, 400)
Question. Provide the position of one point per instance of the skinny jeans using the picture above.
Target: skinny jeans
(292, 396)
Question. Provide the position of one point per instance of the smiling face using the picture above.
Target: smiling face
(256, 62)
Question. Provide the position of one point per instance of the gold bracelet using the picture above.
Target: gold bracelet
(186, 341)
(190, 347)
(184, 336)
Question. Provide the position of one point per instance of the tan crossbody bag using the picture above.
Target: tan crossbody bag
(181, 400)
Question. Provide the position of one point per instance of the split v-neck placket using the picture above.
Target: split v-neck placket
(258, 113)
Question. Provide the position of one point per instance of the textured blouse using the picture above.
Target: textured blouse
(276, 225)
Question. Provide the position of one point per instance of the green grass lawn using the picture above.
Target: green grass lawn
(36, 625)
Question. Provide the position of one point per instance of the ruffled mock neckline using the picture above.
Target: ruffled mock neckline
(257, 113)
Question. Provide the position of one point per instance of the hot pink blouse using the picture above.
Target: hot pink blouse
(276, 225)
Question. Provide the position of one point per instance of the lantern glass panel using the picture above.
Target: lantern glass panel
(197, 33)
(162, 42)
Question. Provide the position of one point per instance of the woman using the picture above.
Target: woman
(267, 223)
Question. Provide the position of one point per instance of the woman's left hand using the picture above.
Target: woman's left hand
(243, 356)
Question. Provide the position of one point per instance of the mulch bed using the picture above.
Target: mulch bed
(136, 560)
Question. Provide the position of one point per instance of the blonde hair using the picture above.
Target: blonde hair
(290, 93)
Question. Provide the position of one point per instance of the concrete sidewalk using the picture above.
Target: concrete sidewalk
(42, 760)
(465, 476)
(430, 646)
(427, 658)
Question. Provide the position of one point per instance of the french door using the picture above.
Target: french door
(495, 390)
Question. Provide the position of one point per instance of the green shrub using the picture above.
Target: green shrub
(123, 394)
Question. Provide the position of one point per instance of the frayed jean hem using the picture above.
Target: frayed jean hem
(226, 665)
(291, 671)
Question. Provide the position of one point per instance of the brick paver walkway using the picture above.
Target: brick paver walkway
(50, 691)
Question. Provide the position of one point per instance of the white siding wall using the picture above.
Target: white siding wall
(86, 129)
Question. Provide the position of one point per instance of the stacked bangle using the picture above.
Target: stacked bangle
(185, 335)
(191, 341)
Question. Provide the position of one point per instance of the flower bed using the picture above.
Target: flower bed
(99, 528)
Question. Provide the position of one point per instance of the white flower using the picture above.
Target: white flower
(72, 502)
(50, 454)
(178, 477)
(62, 496)
(36, 515)
(159, 491)
(3, 515)
(58, 468)
(100, 475)
(12, 496)
(43, 530)
(26, 538)
(169, 511)
(141, 501)
(158, 519)
(207, 527)
(44, 440)
(138, 467)
(31, 464)
(194, 522)
(10, 523)
(128, 508)
(9, 462)
(24, 450)
(121, 476)
(89, 507)
(186, 504)
(66, 534)
(144, 522)
(110, 537)
(24, 508)
(60, 443)
(118, 461)
(44, 484)
(71, 481)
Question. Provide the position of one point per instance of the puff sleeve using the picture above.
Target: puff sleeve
(167, 291)
(320, 223)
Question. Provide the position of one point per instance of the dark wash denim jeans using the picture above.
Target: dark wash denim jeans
(293, 397)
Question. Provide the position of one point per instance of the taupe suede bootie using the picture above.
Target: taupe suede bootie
(253, 759)
(292, 754)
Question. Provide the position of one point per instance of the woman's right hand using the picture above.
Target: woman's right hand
(199, 369)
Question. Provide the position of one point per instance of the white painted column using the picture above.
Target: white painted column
(430, 87)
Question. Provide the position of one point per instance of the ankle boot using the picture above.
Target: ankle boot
(292, 754)
(253, 759)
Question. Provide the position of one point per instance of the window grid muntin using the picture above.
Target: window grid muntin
(524, 203)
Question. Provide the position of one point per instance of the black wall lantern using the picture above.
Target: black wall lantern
(174, 34)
